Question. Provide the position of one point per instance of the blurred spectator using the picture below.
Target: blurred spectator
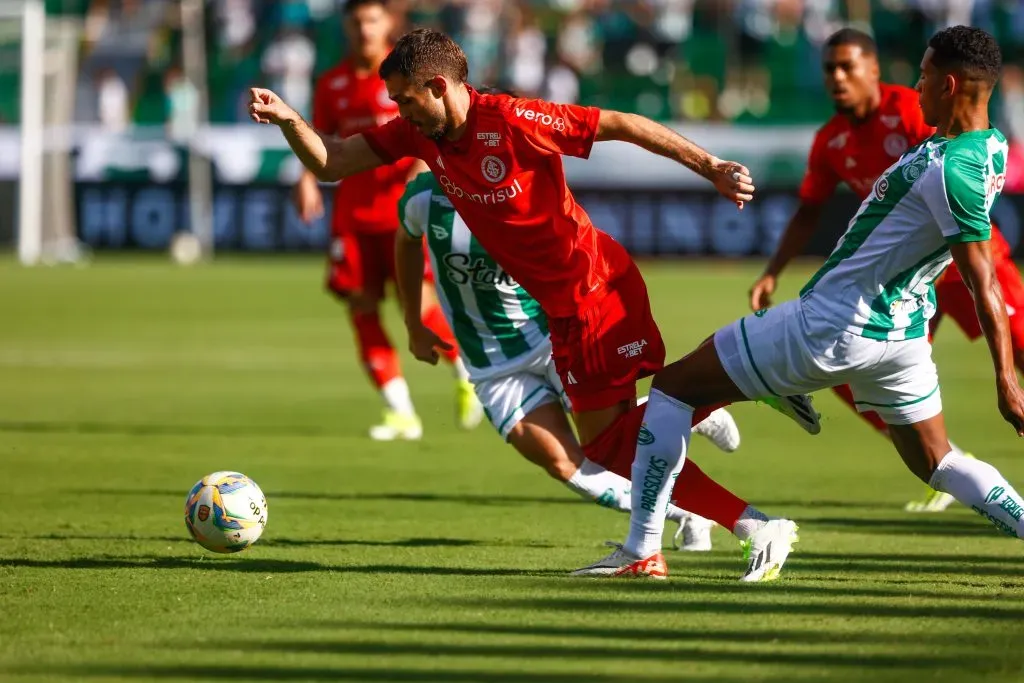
(112, 100)
(182, 105)
(288, 62)
(526, 52)
(746, 60)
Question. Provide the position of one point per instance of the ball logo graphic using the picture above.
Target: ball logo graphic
(204, 513)
(895, 144)
(493, 169)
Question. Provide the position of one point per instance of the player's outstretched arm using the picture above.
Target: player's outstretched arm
(732, 180)
(423, 342)
(328, 159)
(974, 259)
(792, 243)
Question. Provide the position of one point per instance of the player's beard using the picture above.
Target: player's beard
(439, 131)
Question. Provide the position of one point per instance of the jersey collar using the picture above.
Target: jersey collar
(462, 144)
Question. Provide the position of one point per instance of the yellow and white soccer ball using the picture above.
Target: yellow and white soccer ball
(226, 512)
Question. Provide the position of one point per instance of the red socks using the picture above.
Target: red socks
(375, 350)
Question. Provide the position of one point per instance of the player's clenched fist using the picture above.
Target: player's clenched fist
(732, 180)
(761, 292)
(1011, 404)
(266, 107)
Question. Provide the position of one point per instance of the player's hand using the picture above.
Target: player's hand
(424, 344)
(761, 292)
(1011, 404)
(732, 180)
(308, 199)
(266, 107)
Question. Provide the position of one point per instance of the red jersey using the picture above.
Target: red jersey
(857, 153)
(505, 178)
(345, 103)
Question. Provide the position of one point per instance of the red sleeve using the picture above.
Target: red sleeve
(556, 128)
(820, 180)
(395, 140)
(323, 113)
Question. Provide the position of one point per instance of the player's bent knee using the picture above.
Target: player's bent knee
(698, 379)
(362, 303)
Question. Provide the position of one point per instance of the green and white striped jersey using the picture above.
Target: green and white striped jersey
(497, 324)
(879, 281)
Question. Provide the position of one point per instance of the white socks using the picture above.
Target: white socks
(749, 522)
(396, 396)
(608, 489)
(459, 370)
(660, 453)
(980, 487)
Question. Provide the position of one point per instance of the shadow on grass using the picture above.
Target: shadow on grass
(122, 429)
(433, 674)
(909, 524)
(412, 497)
(752, 635)
(786, 588)
(254, 565)
(681, 652)
(665, 604)
(276, 542)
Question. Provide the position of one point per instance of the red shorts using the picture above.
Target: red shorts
(364, 262)
(615, 447)
(955, 300)
(601, 352)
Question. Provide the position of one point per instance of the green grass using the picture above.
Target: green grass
(122, 383)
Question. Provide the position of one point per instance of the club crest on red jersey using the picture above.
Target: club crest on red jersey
(895, 144)
(493, 169)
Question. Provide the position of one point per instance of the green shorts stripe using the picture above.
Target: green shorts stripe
(750, 357)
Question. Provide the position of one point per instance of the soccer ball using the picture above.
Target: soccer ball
(226, 512)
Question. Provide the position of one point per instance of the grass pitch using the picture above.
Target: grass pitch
(123, 383)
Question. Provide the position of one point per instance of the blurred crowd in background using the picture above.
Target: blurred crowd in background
(743, 61)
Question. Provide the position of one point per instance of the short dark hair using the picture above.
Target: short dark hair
(852, 36)
(497, 90)
(426, 53)
(352, 5)
(969, 50)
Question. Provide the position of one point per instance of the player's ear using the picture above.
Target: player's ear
(438, 86)
(950, 84)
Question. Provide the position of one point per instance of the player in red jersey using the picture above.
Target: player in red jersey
(498, 159)
(874, 124)
(349, 99)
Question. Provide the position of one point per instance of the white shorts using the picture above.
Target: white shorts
(790, 350)
(510, 397)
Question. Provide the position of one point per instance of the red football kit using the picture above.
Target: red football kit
(365, 218)
(505, 178)
(858, 153)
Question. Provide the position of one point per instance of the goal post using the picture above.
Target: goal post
(30, 182)
(47, 72)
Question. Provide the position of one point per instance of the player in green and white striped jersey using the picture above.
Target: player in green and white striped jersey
(503, 341)
(862, 319)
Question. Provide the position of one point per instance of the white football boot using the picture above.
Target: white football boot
(693, 534)
(396, 426)
(799, 408)
(768, 548)
(624, 564)
(720, 429)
